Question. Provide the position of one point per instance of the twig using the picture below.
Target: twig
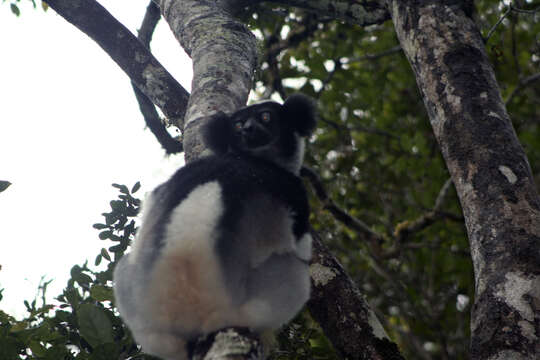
(376, 56)
(523, 83)
(511, 8)
(404, 229)
(528, 12)
(330, 205)
(275, 46)
(494, 27)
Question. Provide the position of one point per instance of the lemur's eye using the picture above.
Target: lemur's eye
(265, 117)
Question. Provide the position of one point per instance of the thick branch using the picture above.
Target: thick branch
(124, 48)
(345, 317)
(352, 11)
(489, 169)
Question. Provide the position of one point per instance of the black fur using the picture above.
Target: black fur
(241, 177)
(296, 115)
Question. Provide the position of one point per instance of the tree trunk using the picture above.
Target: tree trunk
(489, 169)
(224, 54)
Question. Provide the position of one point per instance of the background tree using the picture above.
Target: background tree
(383, 199)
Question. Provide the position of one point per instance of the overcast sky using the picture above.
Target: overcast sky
(69, 128)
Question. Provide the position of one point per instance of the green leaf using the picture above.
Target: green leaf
(136, 187)
(96, 328)
(118, 205)
(123, 188)
(105, 235)
(37, 348)
(15, 9)
(116, 248)
(98, 260)
(4, 185)
(101, 293)
(100, 226)
(105, 254)
(82, 279)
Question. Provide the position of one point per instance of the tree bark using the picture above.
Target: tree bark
(344, 315)
(489, 169)
(224, 54)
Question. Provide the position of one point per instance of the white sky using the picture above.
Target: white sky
(64, 139)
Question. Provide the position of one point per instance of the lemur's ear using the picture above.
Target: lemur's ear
(300, 112)
(217, 133)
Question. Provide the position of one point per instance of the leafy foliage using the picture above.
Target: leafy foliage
(82, 323)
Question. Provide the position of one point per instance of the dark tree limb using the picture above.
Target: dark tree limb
(149, 23)
(344, 315)
(147, 108)
(407, 228)
(393, 50)
(128, 52)
(275, 46)
(361, 13)
(154, 123)
(340, 214)
(522, 85)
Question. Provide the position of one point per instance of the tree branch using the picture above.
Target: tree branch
(496, 25)
(330, 205)
(351, 11)
(406, 228)
(345, 317)
(147, 108)
(522, 85)
(275, 46)
(128, 52)
(390, 51)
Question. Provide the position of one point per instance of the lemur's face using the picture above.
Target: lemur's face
(256, 127)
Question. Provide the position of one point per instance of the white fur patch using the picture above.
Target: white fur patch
(147, 223)
(295, 163)
(193, 223)
(303, 247)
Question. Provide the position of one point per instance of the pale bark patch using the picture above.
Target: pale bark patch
(508, 173)
(376, 327)
(512, 292)
(321, 275)
(151, 75)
